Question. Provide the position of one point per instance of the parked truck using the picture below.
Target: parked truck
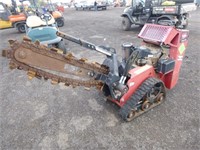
(140, 12)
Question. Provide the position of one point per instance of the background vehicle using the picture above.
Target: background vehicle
(102, 5)
(52, 10)
(136, 84)
(119, 3)
(58, 18)
(89, 5)
(151, 11)
(43, 29)
(56, 14)
(10, 18)
(14, 19)
(80, 5)
(197, 2)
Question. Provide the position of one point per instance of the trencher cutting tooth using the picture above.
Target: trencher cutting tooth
(11, 42)
(12, 65)
(54, 81)
(31, 74)
(25, 38)
(37, 42)
(83, 59)
(4, 53)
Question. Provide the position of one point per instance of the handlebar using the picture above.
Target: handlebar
(84, 43)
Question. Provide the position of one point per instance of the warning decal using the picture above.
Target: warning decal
(181, 48)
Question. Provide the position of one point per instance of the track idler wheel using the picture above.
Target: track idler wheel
(160, 98)
(131, 115)
(146, 105)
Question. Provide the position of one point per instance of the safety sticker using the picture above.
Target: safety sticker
(181, 48)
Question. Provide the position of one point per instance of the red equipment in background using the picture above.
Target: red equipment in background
(61, 9)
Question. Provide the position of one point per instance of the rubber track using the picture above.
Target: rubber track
(144, 88)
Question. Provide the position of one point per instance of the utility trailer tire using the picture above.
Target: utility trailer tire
(126, 24)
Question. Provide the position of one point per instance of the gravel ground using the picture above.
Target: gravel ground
(36, 115)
